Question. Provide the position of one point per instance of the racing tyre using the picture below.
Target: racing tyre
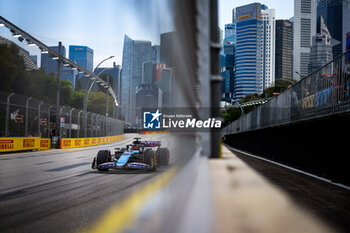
(103, 156)
(163, 156)
(149, 158)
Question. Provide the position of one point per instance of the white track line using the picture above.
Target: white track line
(291, 168)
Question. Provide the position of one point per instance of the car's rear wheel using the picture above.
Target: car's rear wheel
(103, 156)
(163, 156)
(150, 159)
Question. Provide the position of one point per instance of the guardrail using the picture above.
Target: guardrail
(324, 92)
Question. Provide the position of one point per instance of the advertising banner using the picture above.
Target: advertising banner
(24, 143)
(82, 142)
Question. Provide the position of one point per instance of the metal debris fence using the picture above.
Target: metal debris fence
(25, 116)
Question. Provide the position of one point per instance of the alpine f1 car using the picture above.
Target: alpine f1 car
(139, 155)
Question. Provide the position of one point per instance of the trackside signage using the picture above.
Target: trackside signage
(179, 120)
(24, 143)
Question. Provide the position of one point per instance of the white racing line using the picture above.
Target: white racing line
(291, 168)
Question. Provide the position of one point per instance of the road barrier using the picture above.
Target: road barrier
(24, 143)
(153, 132)
(83, 142)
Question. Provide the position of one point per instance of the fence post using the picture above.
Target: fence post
(7, 114)
(59, 127)
(85, 123)
(92, 123)
(98, 117)
(48, 121)
(79, 123)
(26, 120)
(70, 122)
(41, 102)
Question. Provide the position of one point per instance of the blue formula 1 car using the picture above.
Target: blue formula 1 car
(139, 155)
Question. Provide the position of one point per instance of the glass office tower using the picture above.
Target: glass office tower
(135, 54)
(248, 60)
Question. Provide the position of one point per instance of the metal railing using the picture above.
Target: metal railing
(24, 116)
(322, 93)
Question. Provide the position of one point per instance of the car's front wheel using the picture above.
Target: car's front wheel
(103, 156)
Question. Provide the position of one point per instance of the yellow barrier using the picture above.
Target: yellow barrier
(82, 142)
(153, 132)
(24, 143)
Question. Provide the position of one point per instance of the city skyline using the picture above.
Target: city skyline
(284, 9)
(104, 32)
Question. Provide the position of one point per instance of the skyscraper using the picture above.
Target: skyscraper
(336, 16)
(155, 53)
(166, 48)
(50, 65)
(248, 55)
(304, 29)
(135, 54)
(321, 49)
(332, 14)
(83, 56)
(228, 60)
(284, 50)
(268, 46)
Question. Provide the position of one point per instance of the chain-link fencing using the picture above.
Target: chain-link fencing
(25, 116)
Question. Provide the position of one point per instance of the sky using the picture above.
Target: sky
(98, 24)
(102, 24)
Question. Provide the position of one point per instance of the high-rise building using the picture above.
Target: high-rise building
(336, 16)
(248, 55)
(284, 50)
(83, 56)
(69, 74)
(50, 65)
(304, 29)
(148, 72)
(321, 49)
(268, 46)
(135, 54)
(332, 14)
(155, 53)
(166, 48)
(227, 62)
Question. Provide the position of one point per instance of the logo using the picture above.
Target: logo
(151, 120)
(66, 143)
(44, 143)
(77, 142)
(6, 144)
(28, 143)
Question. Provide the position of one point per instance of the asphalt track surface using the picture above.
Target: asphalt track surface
(57, 191)
(328, 202)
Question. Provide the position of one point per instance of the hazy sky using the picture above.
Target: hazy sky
(101, 24)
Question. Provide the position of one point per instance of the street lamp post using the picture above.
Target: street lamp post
(301, 76)
(88, 93)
